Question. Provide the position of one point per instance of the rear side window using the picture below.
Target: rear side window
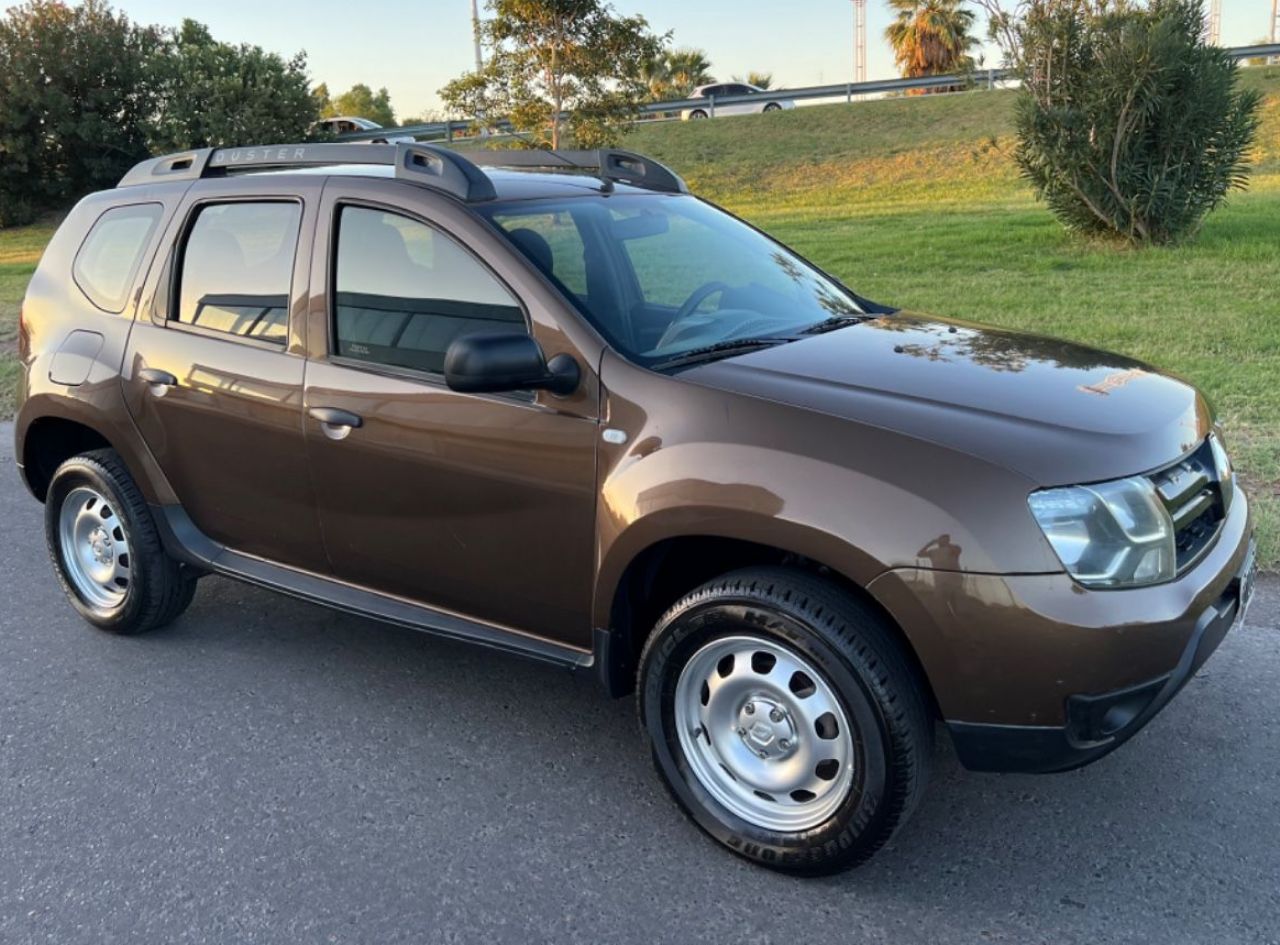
(108, 260)
(404, 291)
(237, 268)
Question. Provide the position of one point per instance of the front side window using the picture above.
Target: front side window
(668, 275)
(106, 264)
(404, 291)
(237, 269)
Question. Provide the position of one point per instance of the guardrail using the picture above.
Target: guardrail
(846, 90)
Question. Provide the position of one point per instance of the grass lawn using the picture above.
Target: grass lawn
(19, 252)
(916, 202)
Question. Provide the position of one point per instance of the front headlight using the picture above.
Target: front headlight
(1113, 534)
(1222, 469)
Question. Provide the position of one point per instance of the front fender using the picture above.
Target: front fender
(860, 499)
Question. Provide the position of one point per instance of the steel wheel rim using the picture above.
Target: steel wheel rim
(95, 548)
(764, 733)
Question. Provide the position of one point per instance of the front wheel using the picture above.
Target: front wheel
(773, 107)
(106, 549)
(785, 719)
(697, 113)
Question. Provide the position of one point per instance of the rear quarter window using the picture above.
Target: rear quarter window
(108, 260)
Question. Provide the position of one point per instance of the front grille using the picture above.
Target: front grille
(1196, 501)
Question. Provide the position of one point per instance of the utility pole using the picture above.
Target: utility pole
(475, 33)
(475, 38)
(1275, 27)
(1214, 30)
(859, 40)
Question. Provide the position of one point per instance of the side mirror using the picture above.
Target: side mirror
(490, 362)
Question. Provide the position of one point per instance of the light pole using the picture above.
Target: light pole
(1214, 27)
(475, 38)
(859, 40)
(1275, 26)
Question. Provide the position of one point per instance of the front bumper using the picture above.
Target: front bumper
(1098, 724)
(1036, 673)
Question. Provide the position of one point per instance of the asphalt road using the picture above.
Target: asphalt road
(267, 771)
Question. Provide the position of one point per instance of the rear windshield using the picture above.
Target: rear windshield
(662, 275)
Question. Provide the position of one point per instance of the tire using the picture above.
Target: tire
(696, 114)
(93, 508)
(849, 803)
(773, 107)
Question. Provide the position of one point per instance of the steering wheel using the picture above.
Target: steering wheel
(690, 305)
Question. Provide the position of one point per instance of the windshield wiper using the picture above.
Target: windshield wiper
(721, 349)
(836, 321)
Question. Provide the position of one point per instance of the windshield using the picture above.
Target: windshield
(666, 277)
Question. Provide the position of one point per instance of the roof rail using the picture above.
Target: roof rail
(427, 164)
(614, 164)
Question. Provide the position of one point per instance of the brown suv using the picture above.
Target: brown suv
(562, 408)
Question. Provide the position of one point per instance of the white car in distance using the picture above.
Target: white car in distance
(762, 100)
(349, 124)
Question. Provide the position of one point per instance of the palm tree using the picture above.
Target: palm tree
(931, 37)
(761, 80)
(687, 69)
(657, 76)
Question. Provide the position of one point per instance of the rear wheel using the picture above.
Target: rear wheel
(106, 549)
(773, 107)
(697, 113)
(785, 719)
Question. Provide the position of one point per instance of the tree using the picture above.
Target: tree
(688, 68)
(549, 60)
(1128, 124)
(76, 94)
(761, 80)
(85, 94)
(931, 37)
(675, 73)
(320, 94)
(216, 94)
(360, 101)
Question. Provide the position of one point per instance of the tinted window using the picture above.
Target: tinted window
(553, 242)
(108, 261)
(672, 274)
(237, 268)
(404, 291)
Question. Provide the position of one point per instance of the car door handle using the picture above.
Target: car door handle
(336, 423)
(159, 381)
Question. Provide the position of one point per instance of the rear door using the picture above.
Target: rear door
(479, 504)
(213, 374)
(737, 108)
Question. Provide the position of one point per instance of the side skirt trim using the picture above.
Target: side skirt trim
(184, 540)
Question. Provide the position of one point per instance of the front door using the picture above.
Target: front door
(481, 505)
(213, 375)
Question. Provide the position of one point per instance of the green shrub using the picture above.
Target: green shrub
(1128, 124)
(85, 94)
(74, 99)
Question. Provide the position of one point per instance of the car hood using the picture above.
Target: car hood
(1054, 411)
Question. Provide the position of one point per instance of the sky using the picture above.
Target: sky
(413, 48)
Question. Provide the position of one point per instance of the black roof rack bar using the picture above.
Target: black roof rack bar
(186, 165)
(426, 164)
(614, 164)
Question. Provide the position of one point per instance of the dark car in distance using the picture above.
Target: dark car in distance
(552, 403)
